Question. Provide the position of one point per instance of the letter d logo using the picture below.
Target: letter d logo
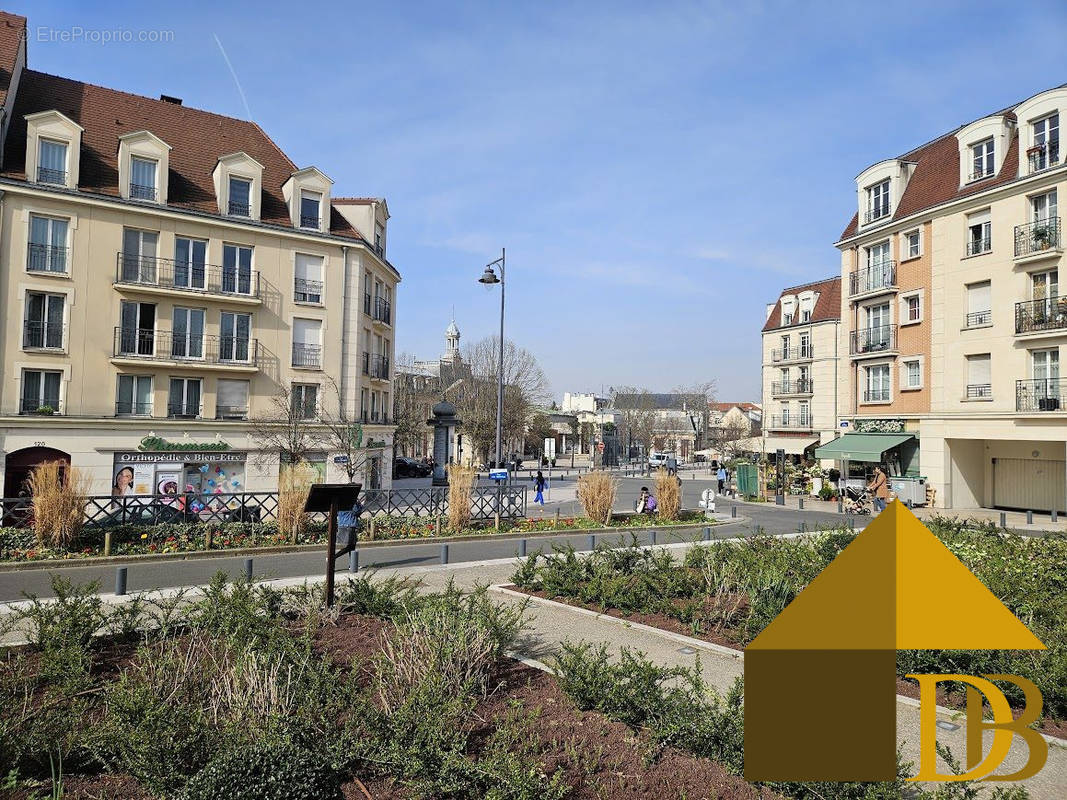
(1003, 727)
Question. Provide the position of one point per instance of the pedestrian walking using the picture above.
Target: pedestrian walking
(539, 485)
(721, 475)
(672, 466)
(879, 489)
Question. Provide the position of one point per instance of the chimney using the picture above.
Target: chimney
(166, 98)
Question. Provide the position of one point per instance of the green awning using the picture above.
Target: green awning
(861, 446)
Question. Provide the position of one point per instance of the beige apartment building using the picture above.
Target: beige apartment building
(801, 369)
(166, 275)
(954, 321)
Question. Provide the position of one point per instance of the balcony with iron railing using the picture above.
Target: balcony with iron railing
(42, 406)
(226, 352)
(376, 366)
(383, 311)
(875, 214)
(873, 341)
(53, 177)
(979, 391)
(1043, 156)
(374, 418)
(367, 304)
(793, 387)
(154, 274)
(975, 247)
(1038, 239)
(231, 412)
(142, 192)
(800, 422)
(305, 291)
(979, 319)
(799, 353)
(129, 408)
(874, 278)
(46, 258)
(1045, 314)
(880, 395)
(183, 410)
(1039, 394)
(307, 356)
(236, 208)
(38, 335)
(979, 173)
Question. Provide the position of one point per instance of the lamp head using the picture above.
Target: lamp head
(489, 277)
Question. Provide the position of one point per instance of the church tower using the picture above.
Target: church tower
(451, 355)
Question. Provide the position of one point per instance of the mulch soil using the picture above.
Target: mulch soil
(908, 688)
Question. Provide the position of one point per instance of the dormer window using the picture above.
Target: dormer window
(310, 210)
(379, 240)
(983, 160)
(143, 183)
(52, 162)
(877, 201)
(240, 203)
(1046, 137)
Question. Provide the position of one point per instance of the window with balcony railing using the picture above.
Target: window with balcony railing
(382, 310)
(876, 276)
(130, 408)
(1039, 394)
(1037, 237)
(140, 191)
(38, 335)
(880, 395)
(307, 355)
(307, 291)
(979, 391)
(873, 340)
(978, 318)
(1043, 314)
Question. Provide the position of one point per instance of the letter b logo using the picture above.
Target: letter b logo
(1003, 727)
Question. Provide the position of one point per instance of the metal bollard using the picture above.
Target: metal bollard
(353, 560)
(522, 548)
(779, 499)
(851, 523)
(444, 554)
(707, 534)
(840, 506)
(592, 541)
(733, 511)
(120, 580)
(801, 503)
(652, 537)
(248, 569)
(107, 542)
(1029, 517)
(803, 527)
(1003, 520)
(1053, 516)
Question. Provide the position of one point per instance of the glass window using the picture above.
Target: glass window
(878, 200)
(43, 326)
(979, 304)
(40, 391)
(236, 269)
(1046, 136)
(188, 333)
(979, 375)
(979, 233)
(184, 397)
(139, 251)
(134, 396)
(240, 197)
(190, 263)
(914, 308)
(48, 245)
(310, 216)
(138, 322)
(379, 240)
(982, 160)
(231, 398)
(236, 330)
(307, 283)
(305, 400)
(877, 384)
(912, 374)
(142, 178)
(912, 244)
(52, 162)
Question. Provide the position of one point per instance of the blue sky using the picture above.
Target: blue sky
(657, 171)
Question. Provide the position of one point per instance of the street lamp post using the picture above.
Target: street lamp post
(489, 277)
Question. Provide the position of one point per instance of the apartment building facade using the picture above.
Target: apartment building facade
(801, 369)
(167, 276)
(957, 339)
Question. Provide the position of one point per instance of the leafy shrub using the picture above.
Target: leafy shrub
(61, 628)
(266, 771)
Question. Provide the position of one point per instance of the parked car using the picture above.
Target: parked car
(404, 467)
(657, 460)
(151, 513)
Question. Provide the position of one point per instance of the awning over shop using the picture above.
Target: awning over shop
(861, 446)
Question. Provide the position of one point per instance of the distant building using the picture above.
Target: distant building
(598, 421)
(676, 422)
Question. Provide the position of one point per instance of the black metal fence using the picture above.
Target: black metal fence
(1038, 236)
(1044, 314)
(107, 511)
(880, 275)
(873, 340)
(1040, 394)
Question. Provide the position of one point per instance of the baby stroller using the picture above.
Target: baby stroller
(857, 501)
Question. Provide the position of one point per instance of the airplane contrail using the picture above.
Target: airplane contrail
(240, 91)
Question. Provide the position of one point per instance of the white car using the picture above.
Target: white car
(657, 460)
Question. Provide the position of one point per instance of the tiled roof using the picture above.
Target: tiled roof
(12, 33)
(197, 138)
(827, 305)
(744, 406)
(661, 402)
(936, 176)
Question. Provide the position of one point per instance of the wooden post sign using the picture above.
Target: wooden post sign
(332, 498)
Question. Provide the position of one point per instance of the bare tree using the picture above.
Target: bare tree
(289, 428)
(413, 397)
(731, 439)
(638, 410)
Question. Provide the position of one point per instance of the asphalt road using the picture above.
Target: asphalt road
(759, 518)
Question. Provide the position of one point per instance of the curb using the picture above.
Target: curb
(190, 555)
(951, 713)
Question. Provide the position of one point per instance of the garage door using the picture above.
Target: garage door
(1029, 483)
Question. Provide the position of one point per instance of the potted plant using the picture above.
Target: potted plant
(45, 411)
(1044, 235)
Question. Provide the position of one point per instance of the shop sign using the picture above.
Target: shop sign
(156, 444)
(185, 455)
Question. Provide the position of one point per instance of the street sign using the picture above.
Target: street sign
(498, 474)
(340, 459)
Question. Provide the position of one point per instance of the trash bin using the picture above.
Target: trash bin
(911, 491)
